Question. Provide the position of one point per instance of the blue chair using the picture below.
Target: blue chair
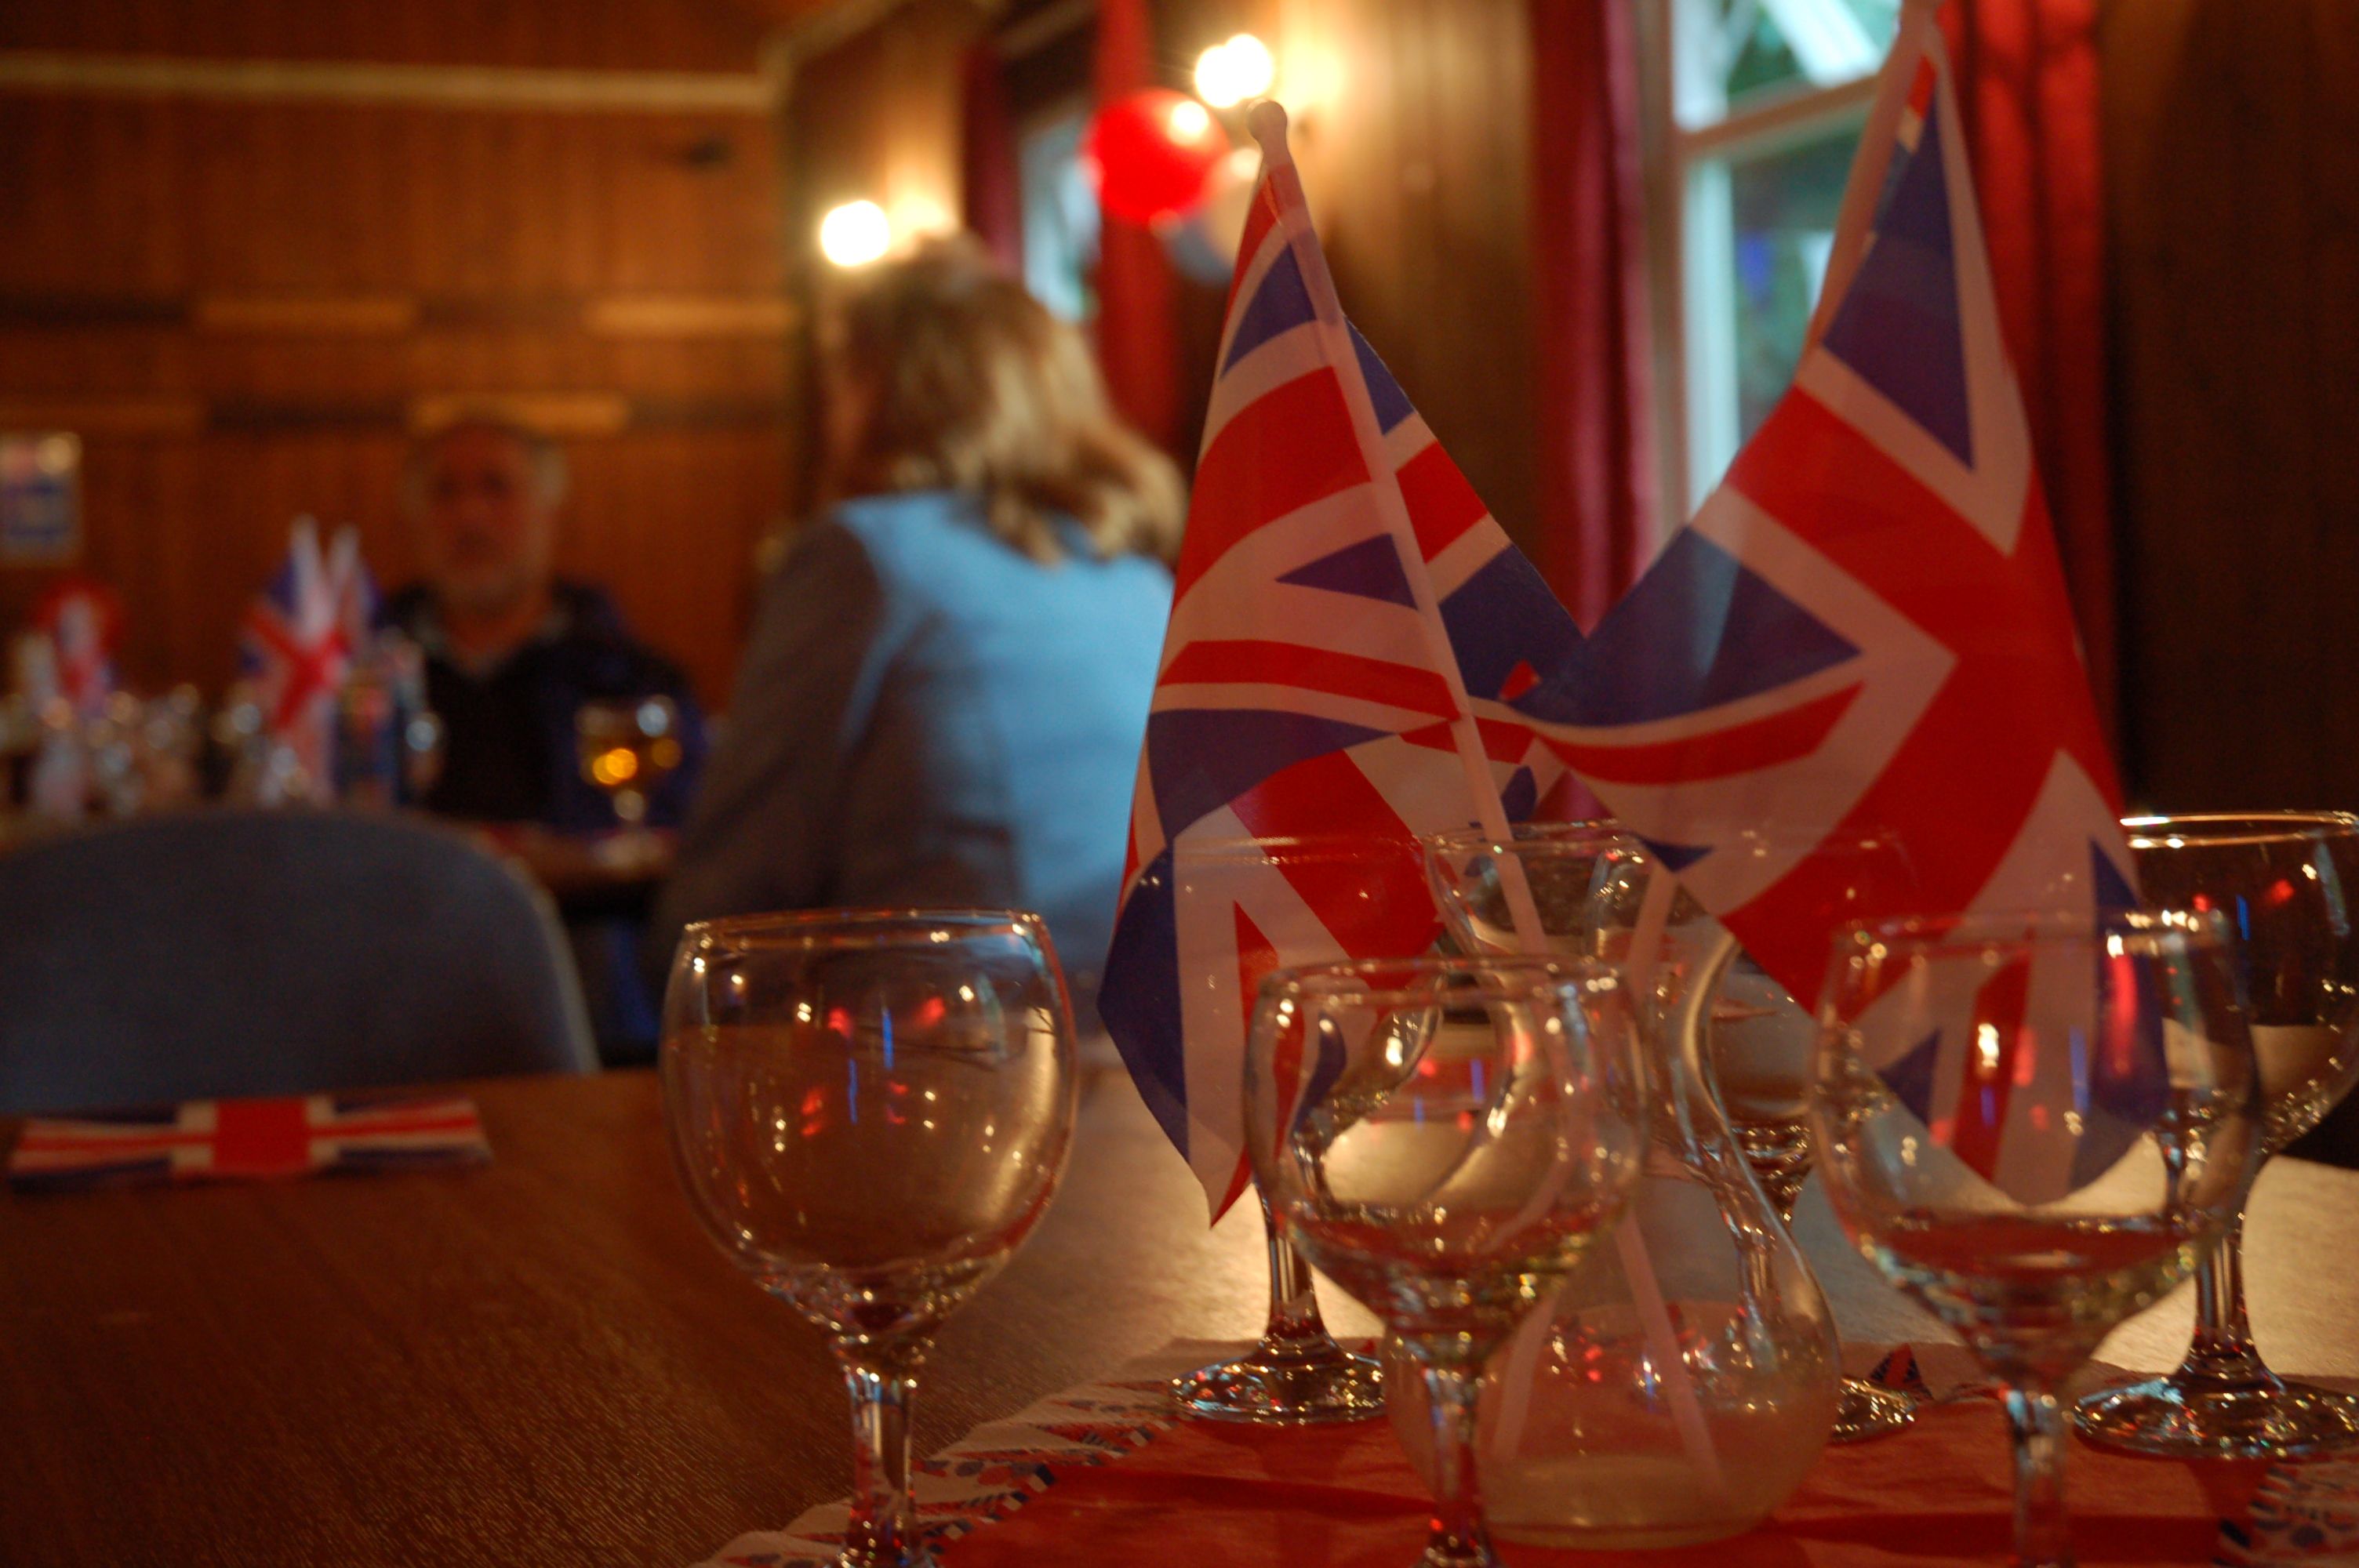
(233, 952)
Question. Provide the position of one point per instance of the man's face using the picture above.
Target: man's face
(487, 531)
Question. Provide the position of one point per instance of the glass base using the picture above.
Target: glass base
(1290, 1383)
(2167, 1418)
(1867, 1410)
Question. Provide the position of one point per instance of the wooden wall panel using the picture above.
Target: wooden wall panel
(1414, 144)
(244, 304)
(635, 35)
(2234, 161)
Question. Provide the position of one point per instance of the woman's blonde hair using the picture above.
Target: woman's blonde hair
(971, 385)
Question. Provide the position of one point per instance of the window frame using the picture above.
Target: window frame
(1690, 243)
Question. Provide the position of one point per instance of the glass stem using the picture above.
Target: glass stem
(1294, 1320)
(1457, 1539)
(883, 1531)
(2042, 1533)
(2222, 1350)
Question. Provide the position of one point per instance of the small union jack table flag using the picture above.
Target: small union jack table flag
(245, 1139)
(1355, 649)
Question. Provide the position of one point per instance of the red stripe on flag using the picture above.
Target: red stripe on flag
(1442, 504)
(1256, 662)
(1288, 448)
(1261, 217)
(1991, 1068)
(1743, 748)
(1373, 900)
(261, 1138)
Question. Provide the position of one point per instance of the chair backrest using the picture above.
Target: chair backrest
(232, 952)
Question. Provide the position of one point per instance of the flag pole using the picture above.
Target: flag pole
(1267, 124)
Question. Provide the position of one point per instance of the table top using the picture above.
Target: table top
(544, 1362)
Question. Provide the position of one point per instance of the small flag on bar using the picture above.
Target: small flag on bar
(246, 1139)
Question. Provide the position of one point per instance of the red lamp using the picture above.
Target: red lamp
(1148, 152)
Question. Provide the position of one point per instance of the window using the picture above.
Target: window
(1755, 109)
(1060, 212)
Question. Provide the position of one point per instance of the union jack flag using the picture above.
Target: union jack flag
(1864, 632)
(301, 638)
(1352, 643)
(233, 1140)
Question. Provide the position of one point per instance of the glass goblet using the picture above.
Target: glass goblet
(1371, 889)
(1446, 1140)
(2286, 881)
(2034, 1126)
(627, 747)
(1588, 880)
(870, 1110)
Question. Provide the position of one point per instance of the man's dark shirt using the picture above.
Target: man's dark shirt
(509, 752)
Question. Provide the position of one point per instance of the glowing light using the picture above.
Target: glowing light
(854, 234)
(615, 765)
(1986, 1045)
(1190, 121)
(1231, 73)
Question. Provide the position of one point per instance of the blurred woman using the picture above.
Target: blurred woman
(947, 678)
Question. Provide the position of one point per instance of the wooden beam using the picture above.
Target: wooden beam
(432, 86)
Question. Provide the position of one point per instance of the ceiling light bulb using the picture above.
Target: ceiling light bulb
(1231, 73)
(854, 234)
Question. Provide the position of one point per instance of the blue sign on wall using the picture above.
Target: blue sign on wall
(40, 497)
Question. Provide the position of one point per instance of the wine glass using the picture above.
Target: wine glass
(870, 1110)
(2034, 1125)
(1447, 1140)
(2288, 881)
(627, 747)
(1370, 890)
(1587, 882)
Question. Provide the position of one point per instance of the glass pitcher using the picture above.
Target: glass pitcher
(1683, 1381)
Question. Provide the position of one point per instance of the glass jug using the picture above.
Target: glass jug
(1679, 1387)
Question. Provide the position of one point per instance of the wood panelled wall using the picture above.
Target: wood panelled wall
(2232, 136)
(244, 304)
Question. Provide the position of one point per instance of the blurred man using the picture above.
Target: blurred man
(513, 652)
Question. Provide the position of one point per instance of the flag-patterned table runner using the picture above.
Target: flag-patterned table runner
(240, 1140)
(996, 1468)
(1048, 1484)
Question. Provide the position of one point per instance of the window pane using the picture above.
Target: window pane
(1783, 225)
(1734, 51)
(1060, 215)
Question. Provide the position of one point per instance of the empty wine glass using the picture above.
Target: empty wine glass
(1446, 1140)
(2034, 1125)
(2286, 881)
(1370, 890)
(627, 747)
(870, 1110)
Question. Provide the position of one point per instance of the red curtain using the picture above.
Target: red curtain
(1596, 445)
(990, 184)
(2026, 78)
(1138, 333)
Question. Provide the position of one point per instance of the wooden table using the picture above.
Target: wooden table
(545, 1362)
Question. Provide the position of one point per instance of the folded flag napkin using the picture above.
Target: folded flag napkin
(244, 1140)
